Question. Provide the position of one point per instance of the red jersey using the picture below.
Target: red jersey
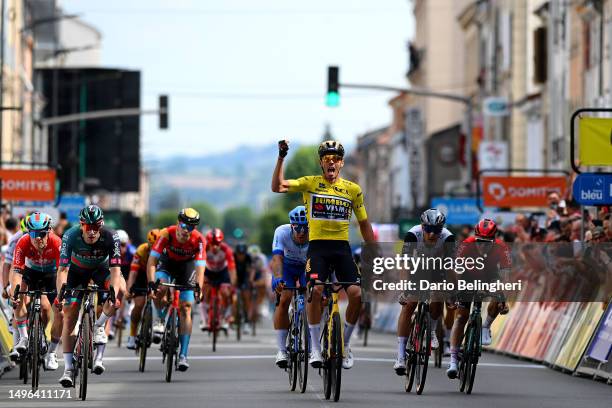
(168, 245)
(499, 257)
(224, 258)
(28, 256)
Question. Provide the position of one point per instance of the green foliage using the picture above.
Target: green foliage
(266, 225)
(164, 218)
(239, 217)
(304, 162)
(208, 214)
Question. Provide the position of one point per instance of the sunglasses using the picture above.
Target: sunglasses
(92, 227)
(484, 241)
(186, 227)
(38, 234)
(299, 228)
(331, 157)
(432, 229)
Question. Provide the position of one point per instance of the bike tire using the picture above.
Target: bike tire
(475, 352)
(411, 357)
(86, 330)
(119, 333)
(338, 356)
(215, 323)
(304, 350)
(170, 346)
(292, 341)
(144, 336)
(422, 356)
(327, 363)
(238, 316)
(464, 366)
(440, 350)
(24, 368)
(35, 339)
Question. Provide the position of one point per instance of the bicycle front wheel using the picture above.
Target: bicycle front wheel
(337, 356)
(422, 354)
(35, 339)
(214, 322)
(170, 344)
(304, 350)
(144, 337)
(475, 352)
(85, 355)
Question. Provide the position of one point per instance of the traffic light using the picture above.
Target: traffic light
(333, 93)
(163, 111)
(238, 233)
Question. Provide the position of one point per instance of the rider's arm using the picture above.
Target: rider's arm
(231, 264)
(367, 233)
(116, 277)
(156, 251)
(18, 262)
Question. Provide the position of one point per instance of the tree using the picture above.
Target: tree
(208, 214)
(241, 217)
(266, 225)
(304, 162)
(164, 218)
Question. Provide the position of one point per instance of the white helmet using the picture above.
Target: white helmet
(123, 236)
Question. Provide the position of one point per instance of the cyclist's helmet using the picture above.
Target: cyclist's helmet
(152, 236)
(298, 215)
(22, 224)
(214, 237)
(241, 249)
(486, 229)
(38, 221)
(123, 236)
(254, 250)
(331, 147)
(433, 218)
(92, 214)
(189, 216)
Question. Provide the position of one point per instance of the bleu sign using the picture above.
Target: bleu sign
(593, 189)
(457, 210)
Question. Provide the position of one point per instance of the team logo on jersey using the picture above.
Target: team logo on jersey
(330, 208)
(321, 185)
(307, 269)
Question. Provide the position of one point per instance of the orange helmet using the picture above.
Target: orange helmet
(152, 236)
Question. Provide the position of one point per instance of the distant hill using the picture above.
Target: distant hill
(241, 176)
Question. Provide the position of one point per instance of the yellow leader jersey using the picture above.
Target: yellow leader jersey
(329, 206)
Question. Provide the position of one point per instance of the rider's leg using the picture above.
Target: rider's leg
(56, 329)
(313, 310)
(404, 326)
(352, 312)
(492, 312)
(187, 299)
(461, 317)
(281, 320)
(139, 303)
(71, 312)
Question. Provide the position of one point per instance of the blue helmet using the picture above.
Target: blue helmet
(38, 221)
(298, 215)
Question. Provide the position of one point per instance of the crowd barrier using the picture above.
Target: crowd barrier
(6, 339)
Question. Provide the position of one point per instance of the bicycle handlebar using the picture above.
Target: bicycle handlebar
(300, 289)
(31, 292)
(89, 289)
(195, 288)
(312, 284)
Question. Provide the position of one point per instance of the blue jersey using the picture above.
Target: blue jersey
(283, 244)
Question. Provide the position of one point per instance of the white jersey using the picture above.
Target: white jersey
(415, 235)
(10, 250)
(283, 244)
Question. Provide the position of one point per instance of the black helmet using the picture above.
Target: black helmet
(331, 147)
(241, 249)
(433, 218)
(189, 216)
(92, 214)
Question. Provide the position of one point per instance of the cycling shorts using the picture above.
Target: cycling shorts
(327, 256)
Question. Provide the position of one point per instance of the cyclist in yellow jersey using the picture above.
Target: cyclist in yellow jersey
(330, 201)
(138, 279)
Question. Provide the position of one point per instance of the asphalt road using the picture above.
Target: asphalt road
(244, 375)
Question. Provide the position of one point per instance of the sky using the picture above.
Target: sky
(253, 71)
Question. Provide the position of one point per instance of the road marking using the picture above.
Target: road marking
(271, 357)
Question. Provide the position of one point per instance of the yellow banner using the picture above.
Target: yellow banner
(595, 141)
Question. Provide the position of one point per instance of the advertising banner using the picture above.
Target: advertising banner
(595, 141)
(601, 346)
(520, 191)
(28, 185)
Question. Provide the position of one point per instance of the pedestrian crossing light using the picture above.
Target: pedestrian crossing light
(333, 95)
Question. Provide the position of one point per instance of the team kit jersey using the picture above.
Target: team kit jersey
(30, 257)
(168, 246)
(139, 265)
(414, 240)
(221, 260)
(329, 206)
(106, 251)
(294, 255)
(10, 249)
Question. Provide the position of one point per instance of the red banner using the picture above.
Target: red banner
(520, 191)
(28, 185)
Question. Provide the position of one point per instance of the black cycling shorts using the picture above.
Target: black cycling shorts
(217, 278)
(182, 273)
(79, 278)
(37, 280)
(140, 283)
(325, 257)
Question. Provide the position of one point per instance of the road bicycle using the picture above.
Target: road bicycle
(214, 314)
(144, 338)
(37, 342)
(170, 340)
(298, 339)
(471, 350)
(332, 337)
(83, 330)
(418, 348)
